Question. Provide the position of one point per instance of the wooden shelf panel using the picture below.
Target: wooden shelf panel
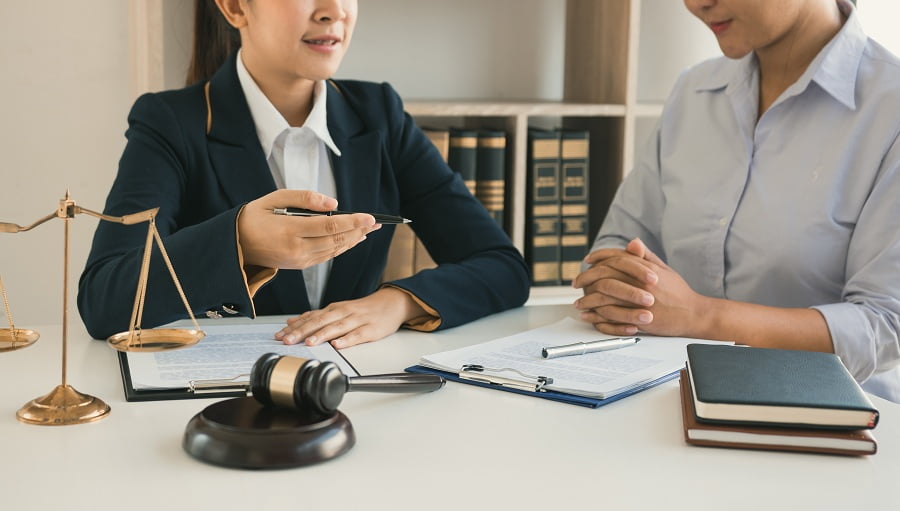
(491, 108)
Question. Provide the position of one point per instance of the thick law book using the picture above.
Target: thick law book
(852, 442)
(573, 238)
(463, 155)
(490, 172)
(542, 222)
(787, 388)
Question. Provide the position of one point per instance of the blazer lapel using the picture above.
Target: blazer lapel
(233, 145)
(356, 176)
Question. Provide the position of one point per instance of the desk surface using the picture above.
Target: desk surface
(460, 448)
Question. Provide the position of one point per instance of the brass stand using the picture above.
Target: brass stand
(61, 407)
(64, 405)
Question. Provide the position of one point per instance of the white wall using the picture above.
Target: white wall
(64, 98)
(671, 40)
(880, 19)
(461, 49)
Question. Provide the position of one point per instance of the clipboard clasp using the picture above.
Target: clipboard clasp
(239, 382)
(479, 373)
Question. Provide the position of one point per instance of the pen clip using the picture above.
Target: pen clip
(476, 372)
(239, 382)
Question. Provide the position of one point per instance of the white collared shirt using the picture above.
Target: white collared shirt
(297, 157)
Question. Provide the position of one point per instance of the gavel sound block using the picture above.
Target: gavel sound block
(292, 419)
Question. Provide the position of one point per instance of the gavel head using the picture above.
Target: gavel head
(298, 383)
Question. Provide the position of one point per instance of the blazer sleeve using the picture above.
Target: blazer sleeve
(158, 169)
(479, 270)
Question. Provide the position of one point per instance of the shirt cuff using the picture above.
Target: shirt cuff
(428, 323)
(852, 337)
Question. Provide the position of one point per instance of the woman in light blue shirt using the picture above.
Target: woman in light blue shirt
(766, 210)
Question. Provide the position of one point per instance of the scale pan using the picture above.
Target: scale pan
(158, 339)
(15, 338)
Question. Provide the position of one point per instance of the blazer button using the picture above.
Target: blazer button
(213, 314)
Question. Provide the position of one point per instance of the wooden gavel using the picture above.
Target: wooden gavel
(304, 384)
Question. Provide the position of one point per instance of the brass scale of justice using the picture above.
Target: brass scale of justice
(64, 405)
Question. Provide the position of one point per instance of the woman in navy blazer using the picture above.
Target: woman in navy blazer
(195, 153)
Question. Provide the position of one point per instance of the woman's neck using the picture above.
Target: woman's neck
(784, 61)
(291, 96)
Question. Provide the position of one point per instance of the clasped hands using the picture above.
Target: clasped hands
(275, 241)
(632, 290)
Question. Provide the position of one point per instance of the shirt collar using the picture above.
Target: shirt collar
(834, 69)
(269, 121)
(839, 62)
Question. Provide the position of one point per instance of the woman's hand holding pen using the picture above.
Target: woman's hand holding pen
(353, 322)
(630, 290)
(295, 243)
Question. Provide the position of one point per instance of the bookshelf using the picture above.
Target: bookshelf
(603, 66)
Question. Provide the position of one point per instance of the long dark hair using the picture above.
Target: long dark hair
(214, 41)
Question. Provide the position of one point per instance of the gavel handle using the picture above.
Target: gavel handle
(397, 382)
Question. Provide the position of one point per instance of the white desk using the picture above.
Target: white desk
(460, 448)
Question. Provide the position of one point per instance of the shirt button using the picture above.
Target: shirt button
(723, 221)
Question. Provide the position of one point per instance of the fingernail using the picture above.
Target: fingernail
(646, 299)
(312, 339)
(652, 277)
(644, 317)
(290, 339)
(338, 343)
(279, 334)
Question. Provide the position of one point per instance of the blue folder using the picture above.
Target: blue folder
(546, 394)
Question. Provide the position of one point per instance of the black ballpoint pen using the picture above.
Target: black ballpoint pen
(379, 218)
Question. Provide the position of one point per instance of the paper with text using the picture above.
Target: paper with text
(227, 351)
(597, 375)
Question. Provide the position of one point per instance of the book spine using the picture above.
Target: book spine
(490, 169)
(462, 156)
(573, 238)
(542, 251)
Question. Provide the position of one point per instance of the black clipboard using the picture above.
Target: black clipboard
(136, 395)
(133, 394)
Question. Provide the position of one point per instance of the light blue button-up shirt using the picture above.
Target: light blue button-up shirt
(799, 209)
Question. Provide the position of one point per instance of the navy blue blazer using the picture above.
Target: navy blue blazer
(195, 154)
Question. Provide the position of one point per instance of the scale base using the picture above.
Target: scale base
(242, 433)
(63, 406)
(16, 338)
(158, 339)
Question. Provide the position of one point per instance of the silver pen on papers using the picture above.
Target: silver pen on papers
(580, 348)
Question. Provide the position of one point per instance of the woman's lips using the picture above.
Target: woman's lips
(719, 26)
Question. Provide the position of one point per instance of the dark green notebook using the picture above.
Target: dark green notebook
(741, 385)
